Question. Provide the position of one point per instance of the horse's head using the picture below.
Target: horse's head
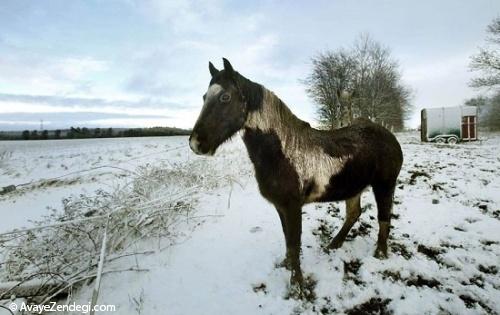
(224, 111)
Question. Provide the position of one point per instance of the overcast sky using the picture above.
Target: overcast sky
(126, 63)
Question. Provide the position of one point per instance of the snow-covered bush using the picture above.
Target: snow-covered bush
(63, 248)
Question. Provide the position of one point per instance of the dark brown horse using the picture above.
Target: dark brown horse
(296, 164)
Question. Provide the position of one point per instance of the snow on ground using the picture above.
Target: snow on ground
(59, 168)
(445, 241)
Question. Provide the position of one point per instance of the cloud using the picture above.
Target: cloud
(30, 73)
(25, 111)
(20, 120)
(182, 15)
(62, 120)
(202, 31)
(76, 68)
(195, 32)
(126, 122)
(61, 102)
(69, 116)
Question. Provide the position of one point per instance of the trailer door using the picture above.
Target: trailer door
(423, 126)
(469, 128)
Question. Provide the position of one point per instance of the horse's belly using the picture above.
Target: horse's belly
(339, 193)
(342, 186)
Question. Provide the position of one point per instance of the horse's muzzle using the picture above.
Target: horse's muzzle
(195, 146)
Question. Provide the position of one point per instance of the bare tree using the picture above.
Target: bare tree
(330, 83)
(487, 61)
(363, 81)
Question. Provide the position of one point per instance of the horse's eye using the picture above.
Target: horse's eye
(226, 97)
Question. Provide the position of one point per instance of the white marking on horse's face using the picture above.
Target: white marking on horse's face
(212, 92)
(308, 158)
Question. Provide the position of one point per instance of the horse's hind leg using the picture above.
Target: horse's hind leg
(384, 198)
(353, 210)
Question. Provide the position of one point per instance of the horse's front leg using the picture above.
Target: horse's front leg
(293, 222)
(293, 252)
(285, 263)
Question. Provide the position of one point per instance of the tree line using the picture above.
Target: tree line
(85, 133)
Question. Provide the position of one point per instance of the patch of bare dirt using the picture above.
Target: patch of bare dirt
(351, 269)
(372, 306)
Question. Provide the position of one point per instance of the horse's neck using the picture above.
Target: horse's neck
(273, 135)
(274, 116)
(274, 128)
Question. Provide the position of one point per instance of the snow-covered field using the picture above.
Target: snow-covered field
(445, 241)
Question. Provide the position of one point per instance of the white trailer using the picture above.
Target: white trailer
(449, 124)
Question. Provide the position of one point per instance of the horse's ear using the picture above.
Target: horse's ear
(227, 66)
(213, 70)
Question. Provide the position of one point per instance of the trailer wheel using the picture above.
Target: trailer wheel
(440, 140)
(452, 140)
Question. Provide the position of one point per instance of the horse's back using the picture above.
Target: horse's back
(365, 135)
(373, 151)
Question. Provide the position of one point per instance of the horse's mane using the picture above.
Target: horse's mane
(272, 113)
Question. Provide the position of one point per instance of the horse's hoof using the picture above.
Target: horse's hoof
(380, 253)
(285, 263)
(303, 289)
(296, 291)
